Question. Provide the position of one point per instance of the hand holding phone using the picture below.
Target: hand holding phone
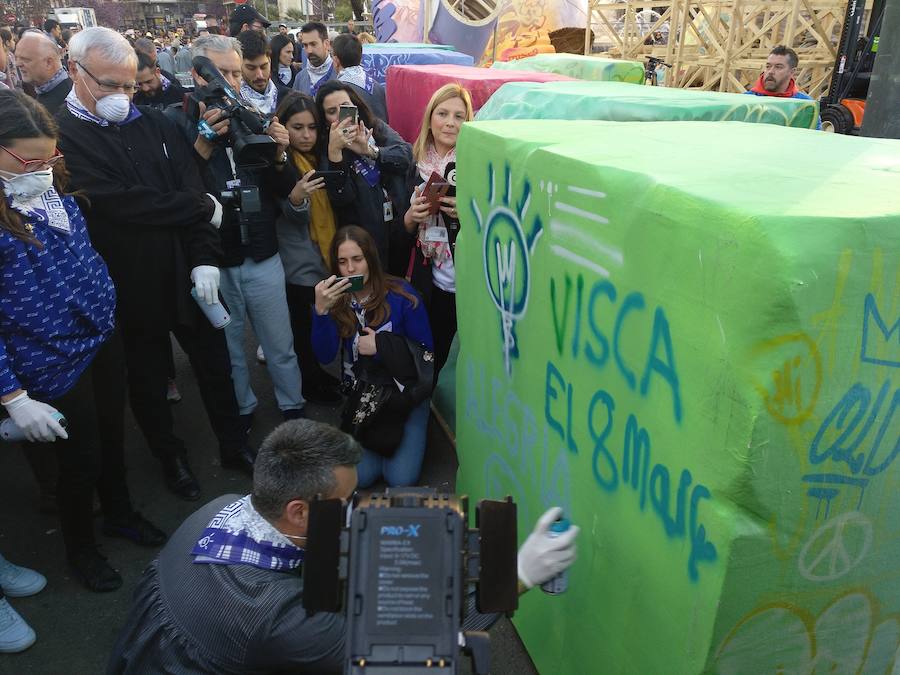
(436, 188)
(328, 292)
(348, 111)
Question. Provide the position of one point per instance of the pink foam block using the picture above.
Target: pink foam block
(409, 88)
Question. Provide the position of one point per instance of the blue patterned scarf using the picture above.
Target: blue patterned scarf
(239, 535)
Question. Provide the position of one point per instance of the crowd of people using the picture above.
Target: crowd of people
(320, 235)
(269, 194)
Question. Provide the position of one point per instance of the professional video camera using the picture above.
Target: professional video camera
(405, 565)
(247, 131)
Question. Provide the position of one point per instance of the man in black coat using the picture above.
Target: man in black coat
(156, 229)
(39, 60)
(156, 88)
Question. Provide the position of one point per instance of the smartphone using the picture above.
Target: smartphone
(333, 179)
(356, 282)
(347, 111)
(434, 189)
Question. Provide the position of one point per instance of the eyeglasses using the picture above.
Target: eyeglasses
(29, 165)
(109, 87)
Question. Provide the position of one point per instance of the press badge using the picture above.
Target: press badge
(233, 184)
(388, 211)
(436, 233)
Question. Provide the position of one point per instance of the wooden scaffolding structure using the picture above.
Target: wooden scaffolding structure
(722, 44)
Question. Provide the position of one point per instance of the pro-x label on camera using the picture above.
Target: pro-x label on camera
(400, 531)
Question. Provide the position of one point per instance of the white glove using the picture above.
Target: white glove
(216, 220)
(206, 281)
(35, 419)
(543, 557)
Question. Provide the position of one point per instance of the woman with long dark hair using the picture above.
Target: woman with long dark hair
(305, 228)
(284, 68)
(377, 165)
(346, 322)
(57, 306)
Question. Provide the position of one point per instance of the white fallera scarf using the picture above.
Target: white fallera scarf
(265, 102)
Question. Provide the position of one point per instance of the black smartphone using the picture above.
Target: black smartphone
(356, 282)
(328, 175)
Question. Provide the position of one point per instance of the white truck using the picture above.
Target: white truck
(72, 17)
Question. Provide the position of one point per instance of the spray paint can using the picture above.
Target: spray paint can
(10, 431)
(216, 313)
(560, 582)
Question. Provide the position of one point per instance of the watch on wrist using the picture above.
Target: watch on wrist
(375, 152)
(283, 158)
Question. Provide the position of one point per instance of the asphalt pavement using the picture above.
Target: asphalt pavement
(75, 628)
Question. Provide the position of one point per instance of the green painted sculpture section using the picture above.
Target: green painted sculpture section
(594, 68)
(697, 355)
(620, 102)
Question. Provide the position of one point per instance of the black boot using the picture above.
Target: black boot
(180, 479)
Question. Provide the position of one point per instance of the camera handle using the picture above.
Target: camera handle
(478, 647)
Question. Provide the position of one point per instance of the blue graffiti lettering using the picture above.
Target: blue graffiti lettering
(844, 419)
(649, 481)
(600, 288)
(666, 369)
(568, 313)
(632, 302)
(599, 438)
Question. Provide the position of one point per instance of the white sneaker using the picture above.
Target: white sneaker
(15, 634)
(259, 355)
(19, 582)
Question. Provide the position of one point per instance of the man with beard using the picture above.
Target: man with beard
(778, 77)
(257, 86)
(319, 68)
(154, 88)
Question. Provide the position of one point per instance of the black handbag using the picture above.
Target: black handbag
(377, 408)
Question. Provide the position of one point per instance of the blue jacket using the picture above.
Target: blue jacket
(404, 319)
(57, 306)
(799, 94)
(303, 83)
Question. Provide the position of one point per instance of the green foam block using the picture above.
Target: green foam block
(621, 102)
(580, 67)
(688, 336)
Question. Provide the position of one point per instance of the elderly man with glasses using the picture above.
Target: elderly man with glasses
(156, 229)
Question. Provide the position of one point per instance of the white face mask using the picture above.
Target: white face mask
(26, 186)
(114, 108)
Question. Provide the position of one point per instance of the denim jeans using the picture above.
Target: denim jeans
(403, 468)
(255, 291)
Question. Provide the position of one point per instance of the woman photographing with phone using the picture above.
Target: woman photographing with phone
(376, 162)
(432, 220)
(382, 335)
(305, 229)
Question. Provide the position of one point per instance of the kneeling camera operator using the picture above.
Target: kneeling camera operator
(302, 575)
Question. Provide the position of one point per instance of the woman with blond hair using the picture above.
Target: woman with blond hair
(432, 237)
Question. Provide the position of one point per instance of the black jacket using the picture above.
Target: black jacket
(273, 183)
(54, 99)
(355, 202)
(148, 216)
(171, 96)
